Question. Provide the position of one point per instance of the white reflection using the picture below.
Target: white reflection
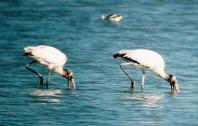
(52, 100)
(148, 100)
(152, 101)
(46, 96)
(46, 92)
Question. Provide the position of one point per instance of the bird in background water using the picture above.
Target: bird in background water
(112, 18)
(53, 58)
(146, 59)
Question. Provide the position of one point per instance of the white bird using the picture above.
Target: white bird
(146, 60)
(53, 58)
(112, 17)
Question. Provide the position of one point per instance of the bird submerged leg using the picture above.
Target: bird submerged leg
(33, 71)
(132, 81)
(48, 78)
(143, 77)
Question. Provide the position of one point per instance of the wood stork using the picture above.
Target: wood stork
(53, 58)
(146, 59)
(112, 17)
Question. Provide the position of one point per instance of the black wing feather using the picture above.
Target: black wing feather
(123, 55)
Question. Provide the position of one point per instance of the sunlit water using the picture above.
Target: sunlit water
(102, 96)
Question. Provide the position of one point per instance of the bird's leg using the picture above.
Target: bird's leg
(33, 71)
(48, 78)
(68, 85)
(132, 81)
(143, 77)
(173, 88)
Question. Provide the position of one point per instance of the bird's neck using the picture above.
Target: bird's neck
(164, 75)
(59, 70)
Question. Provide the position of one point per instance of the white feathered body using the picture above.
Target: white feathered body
(112, 17)
(46, 55)
(145, 59)
(115, 18)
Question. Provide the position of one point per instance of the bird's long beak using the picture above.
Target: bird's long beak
(174, 87)
(71, 82)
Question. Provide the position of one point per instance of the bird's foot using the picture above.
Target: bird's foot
(47, 83)
(142, 90)
(40, 78)
(132, 87)
(132, 84)
(41, 81)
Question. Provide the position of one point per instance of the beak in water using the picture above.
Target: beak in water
(70, 79)
(174, 85)
(71, 82)
(174, 88)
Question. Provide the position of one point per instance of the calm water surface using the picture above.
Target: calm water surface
(102, 96)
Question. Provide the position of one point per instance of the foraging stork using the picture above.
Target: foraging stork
(146, 60)
(53, 58)
(112, 17)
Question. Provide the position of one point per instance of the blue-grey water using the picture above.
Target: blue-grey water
(102, 96)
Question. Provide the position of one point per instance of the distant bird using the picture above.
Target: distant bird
(112, 17)
(146, 60)
(53, 58)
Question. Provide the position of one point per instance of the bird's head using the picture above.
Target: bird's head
(173, 83)
(69, 75)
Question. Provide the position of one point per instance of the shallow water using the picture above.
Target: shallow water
(102, 96)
